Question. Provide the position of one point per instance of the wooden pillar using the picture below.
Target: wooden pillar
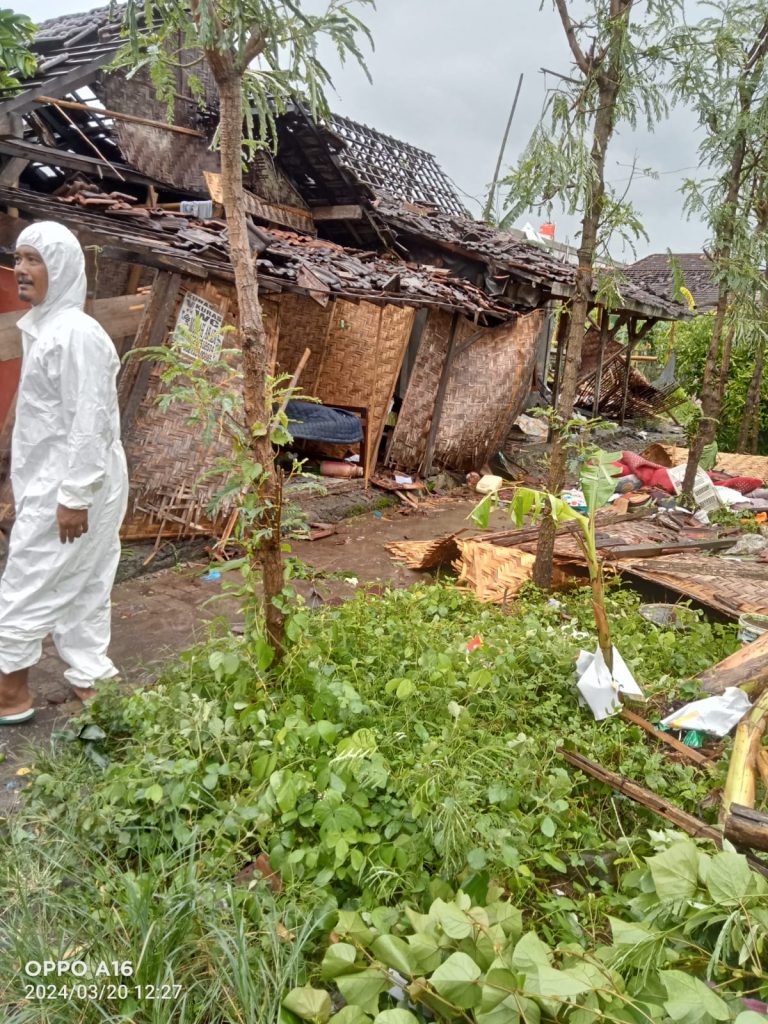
(151, 332)
(442, 387)
(560, 340)
(631, 342)
(604, 331)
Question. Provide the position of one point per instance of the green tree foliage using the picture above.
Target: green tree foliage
(691, 345)
(16, 60)
(721, 71)
(617, 62)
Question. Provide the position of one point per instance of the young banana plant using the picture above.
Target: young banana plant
(598, 482)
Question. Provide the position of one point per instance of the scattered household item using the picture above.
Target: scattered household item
(489, 484)
(202, 208)
(533, 426)
(340, 469)
(600, 687)
(716, 715)
(752, 627)
(401, 479)
(749, 544)
(704, 493)
(574, 497)
(670, 616)
(212, 576)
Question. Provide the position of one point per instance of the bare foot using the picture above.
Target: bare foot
(15, 697)
(84, 693)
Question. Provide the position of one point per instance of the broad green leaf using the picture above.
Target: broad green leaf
(154, 793)
(514, 1010)
(690, 1001)
(729, 878)
(598, 478)
(548, 827)
(396, 1017)
(364, 988)
(312, 1004)
(453, 921)
(338, 959)
(394, 952)
(510, 918)
(426, 953)
(405, 689)
(351, 1015)
(530, 953)
(629, 933)
(481, 514)
(525, 501)
(499, 983)
(551, 983)
(351, 926)
(750, 1017)
(457, 980)
(675, 872)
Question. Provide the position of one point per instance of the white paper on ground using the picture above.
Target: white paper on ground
(400, 478)
(599, 688)
(716, 715)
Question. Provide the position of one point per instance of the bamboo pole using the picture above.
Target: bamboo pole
(118, 116)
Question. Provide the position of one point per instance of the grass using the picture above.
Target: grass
(381, 761)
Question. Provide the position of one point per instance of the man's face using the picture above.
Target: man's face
(31, 275)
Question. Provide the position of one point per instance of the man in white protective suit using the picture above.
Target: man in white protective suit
(69, 478)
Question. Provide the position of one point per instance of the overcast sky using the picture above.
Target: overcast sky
(444, 76)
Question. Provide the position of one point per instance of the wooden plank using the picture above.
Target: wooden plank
(152, 332)
(12, 170)
(277, 213)
(664, 737)
(747, 665)
(118, 316)
(350, 212)
(52, 157)
(117, 116)
(442, 388)
(747, 826)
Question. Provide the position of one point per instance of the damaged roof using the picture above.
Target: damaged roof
(507, 257)
(655, 274)
(286, 261)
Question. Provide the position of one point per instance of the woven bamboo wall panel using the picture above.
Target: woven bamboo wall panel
(409, 439)
(166, 453)
(357, 349)
(488, 385)
(298, 323)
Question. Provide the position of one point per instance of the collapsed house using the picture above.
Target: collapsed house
(364, 252)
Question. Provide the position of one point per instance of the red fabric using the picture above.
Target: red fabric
(648, 473)
(742, 484)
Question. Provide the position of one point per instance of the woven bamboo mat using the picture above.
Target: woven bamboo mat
(493, 573)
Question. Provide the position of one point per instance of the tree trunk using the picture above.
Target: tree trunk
(253, 339)
(748, 436)
(608, 78)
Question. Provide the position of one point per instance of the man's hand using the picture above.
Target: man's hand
(73, 523)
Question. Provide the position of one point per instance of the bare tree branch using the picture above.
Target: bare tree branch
(570, 32)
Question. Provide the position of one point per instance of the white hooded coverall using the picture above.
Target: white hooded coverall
(66, 450)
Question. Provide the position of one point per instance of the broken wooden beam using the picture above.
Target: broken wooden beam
(348, 212)
(747, 665)
(116, 115)
(653, 802)
(746, 827)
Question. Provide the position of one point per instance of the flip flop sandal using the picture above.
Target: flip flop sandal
(19, 718)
